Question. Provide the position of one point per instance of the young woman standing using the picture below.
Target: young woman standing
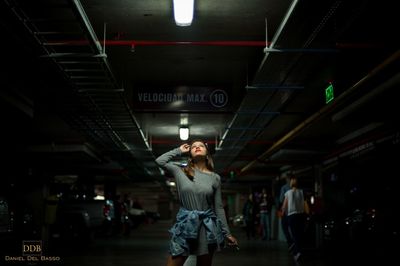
(201, 227)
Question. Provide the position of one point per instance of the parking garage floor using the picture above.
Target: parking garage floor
(147, 246)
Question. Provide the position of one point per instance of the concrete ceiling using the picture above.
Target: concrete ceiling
(85, 73)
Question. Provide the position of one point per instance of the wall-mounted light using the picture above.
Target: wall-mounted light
(184, 133)
(183, 12)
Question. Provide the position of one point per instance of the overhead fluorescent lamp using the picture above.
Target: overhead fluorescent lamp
(184, 133)
(183, 12)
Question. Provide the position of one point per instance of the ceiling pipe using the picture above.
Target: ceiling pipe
(322, 112)
(19, 101)
(131, 43)
(219, 146)
(114, 136)
(366, 98)
(269, 45)
(98, 52)
(81, 15)
(233, 151)
(65, 148)
(135, 43)
(369, 139)
(277, 33)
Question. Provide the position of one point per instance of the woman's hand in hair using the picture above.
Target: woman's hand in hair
(185, 148)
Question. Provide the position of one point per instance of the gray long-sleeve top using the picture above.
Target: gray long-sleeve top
(201, 194)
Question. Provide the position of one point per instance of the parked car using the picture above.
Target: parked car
(78, 220)
(362, 229)
(5, 218)
(152, 216)
(137, 216)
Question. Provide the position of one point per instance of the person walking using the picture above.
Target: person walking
(249, 216)
(295, 205)
(265, 218)
(284, 217)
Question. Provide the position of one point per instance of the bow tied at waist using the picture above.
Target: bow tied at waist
(188, 226)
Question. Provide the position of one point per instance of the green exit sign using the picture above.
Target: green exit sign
(329, 95)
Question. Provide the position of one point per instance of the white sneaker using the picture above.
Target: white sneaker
(297, 256)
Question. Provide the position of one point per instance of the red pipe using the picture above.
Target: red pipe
(161, 43)
(200, 43)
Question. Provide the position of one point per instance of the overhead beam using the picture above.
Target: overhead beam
(327, 109)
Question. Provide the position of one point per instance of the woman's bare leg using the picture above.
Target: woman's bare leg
(176, 261)
(204, 260)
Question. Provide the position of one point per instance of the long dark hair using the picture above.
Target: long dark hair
(189, 169)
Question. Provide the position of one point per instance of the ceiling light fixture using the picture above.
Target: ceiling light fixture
(183, 12)
(184, 133)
